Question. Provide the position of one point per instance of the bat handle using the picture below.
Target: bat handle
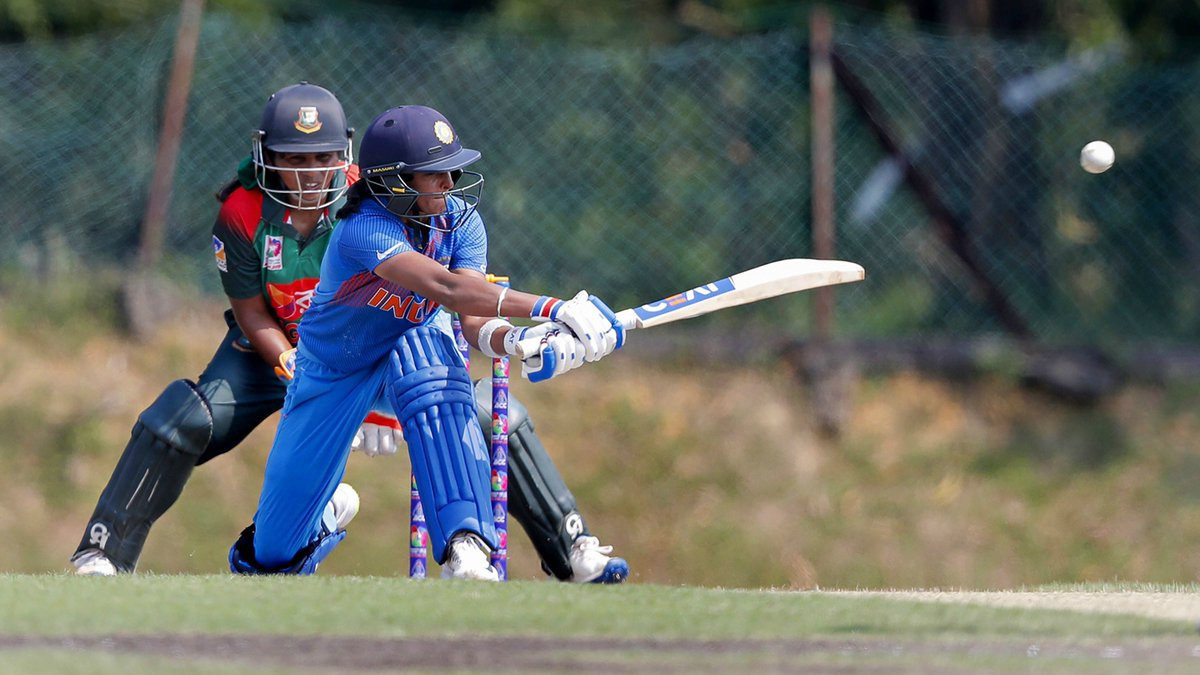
(628, 319)
(528, 347)
(531, 346)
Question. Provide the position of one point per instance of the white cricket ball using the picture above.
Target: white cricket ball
(1097, 157)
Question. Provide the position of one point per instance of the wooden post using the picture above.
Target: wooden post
(145, 300)
(158, 201)
(821, 84)
(829, 374)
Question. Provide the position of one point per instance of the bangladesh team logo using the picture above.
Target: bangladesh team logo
(308, 120)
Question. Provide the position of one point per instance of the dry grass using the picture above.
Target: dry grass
(699, 474)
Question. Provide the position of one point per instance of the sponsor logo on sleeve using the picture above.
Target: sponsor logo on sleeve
(219, 252)
(381, 255)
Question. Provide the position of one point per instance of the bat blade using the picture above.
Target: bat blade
(760, 283)
(768, 281)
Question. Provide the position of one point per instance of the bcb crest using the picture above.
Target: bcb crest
(308, 120)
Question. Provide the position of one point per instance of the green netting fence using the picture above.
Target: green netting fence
(635, 172)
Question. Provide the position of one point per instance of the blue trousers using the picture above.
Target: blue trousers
(323, 409)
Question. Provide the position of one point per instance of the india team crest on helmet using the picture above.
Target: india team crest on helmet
(443, 132)
(308, 120)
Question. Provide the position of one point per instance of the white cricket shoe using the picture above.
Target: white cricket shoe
(345, 505)
(592, 564)
(469, 558)
(93, 563)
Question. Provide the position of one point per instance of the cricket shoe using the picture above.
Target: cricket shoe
(93, 563)
(592, 564)
(469, 558)
(341, 509)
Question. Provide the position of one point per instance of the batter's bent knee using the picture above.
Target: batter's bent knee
(243, 561)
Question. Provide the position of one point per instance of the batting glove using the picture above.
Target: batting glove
(589, 319)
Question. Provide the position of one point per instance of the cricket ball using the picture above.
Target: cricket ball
(1096, 157)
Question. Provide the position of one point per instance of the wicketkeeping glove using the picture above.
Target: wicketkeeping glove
(379, 434)
(287, 366)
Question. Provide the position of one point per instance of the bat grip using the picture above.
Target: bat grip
(531, 346)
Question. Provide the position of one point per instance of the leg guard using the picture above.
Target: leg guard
(538, 497)
(431, 394)
(166, 441)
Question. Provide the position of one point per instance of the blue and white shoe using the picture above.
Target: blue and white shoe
(469, 559)
(592, 564)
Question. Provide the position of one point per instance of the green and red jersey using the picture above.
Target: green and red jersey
(258, 252)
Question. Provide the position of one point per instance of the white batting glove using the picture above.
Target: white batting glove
(542, 331)
(559, 353)
(589, 319)
(379, 434)
(557, 349)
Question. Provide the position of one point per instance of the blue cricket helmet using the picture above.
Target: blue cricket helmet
(413, 139)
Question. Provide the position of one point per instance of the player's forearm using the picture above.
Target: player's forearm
(471, 326)
(478, 298)
(462, 291)
(260, 328)
(269, 341)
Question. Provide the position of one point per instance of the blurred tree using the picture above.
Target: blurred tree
(34, 19)
(1162, 30)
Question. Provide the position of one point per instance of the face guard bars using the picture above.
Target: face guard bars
(392, 192)
(294, 199)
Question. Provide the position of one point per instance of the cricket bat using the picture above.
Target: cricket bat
(760, 283)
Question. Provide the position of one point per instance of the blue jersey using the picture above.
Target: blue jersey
(356, 317)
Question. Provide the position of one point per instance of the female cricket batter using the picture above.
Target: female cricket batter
(409, 241)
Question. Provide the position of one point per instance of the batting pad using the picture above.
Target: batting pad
(432, 396)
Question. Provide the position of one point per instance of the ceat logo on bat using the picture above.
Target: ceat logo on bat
(673, 303)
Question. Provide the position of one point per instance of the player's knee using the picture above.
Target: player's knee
(244, 560)
(180, 417)
(426, 369)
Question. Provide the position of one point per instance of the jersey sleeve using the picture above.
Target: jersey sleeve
(470, 246)
(369, 239)
(233, 244)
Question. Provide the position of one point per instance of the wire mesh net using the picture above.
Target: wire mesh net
(635, 172)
